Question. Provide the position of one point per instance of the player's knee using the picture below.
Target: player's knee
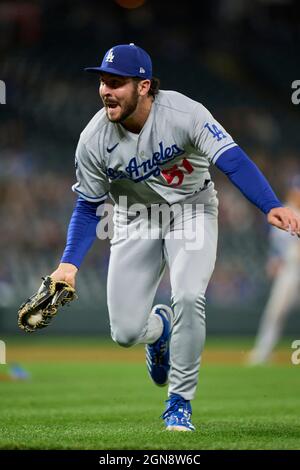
(124, 337)
(190, 300)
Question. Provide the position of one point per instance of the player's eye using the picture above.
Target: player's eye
(110, 83)
(115, 84)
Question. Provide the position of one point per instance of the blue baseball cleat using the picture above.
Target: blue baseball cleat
(158, 353)
(177, 416)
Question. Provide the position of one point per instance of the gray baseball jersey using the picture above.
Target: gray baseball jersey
(166, 162)
(285, 246)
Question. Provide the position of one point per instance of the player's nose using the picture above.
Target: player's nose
(104, 90)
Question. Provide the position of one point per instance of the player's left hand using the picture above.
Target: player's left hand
(285, 219)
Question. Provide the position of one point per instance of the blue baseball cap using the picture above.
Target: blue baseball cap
(127, 60)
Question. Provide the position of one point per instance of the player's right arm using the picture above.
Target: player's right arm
(65, 272)
(92, 187)
(81, 235)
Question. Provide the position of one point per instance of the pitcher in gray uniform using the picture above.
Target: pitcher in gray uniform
(150, 150)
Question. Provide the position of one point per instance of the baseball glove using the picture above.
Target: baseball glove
(38, 311)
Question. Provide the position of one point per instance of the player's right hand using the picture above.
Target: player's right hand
(65, 272)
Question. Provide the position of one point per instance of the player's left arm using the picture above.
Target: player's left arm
(210, 139)
(248, 178)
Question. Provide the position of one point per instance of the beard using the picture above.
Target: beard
(128, 107)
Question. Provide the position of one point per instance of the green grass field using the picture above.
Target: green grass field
(114, 405)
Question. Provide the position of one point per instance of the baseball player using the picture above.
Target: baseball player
(284, 267)
(151, 149)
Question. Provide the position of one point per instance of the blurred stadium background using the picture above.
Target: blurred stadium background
(237, 57)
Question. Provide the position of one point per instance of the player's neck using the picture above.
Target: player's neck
(136, 121)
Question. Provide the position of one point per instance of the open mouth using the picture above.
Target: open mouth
(111, 105)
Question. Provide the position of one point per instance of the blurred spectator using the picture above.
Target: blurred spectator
(283, 267)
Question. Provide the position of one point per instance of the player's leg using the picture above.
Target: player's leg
(191, 265)
(283, 296)
(135, 269)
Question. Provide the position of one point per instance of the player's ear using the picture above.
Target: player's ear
(144, 87)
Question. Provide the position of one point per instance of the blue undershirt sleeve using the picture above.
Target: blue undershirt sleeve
(81, 232)
(247, 177)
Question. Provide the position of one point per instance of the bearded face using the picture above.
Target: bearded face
(119, 95)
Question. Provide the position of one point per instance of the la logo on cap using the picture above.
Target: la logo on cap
(110, 56)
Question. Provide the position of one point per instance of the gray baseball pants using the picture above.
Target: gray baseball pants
(187, 243)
